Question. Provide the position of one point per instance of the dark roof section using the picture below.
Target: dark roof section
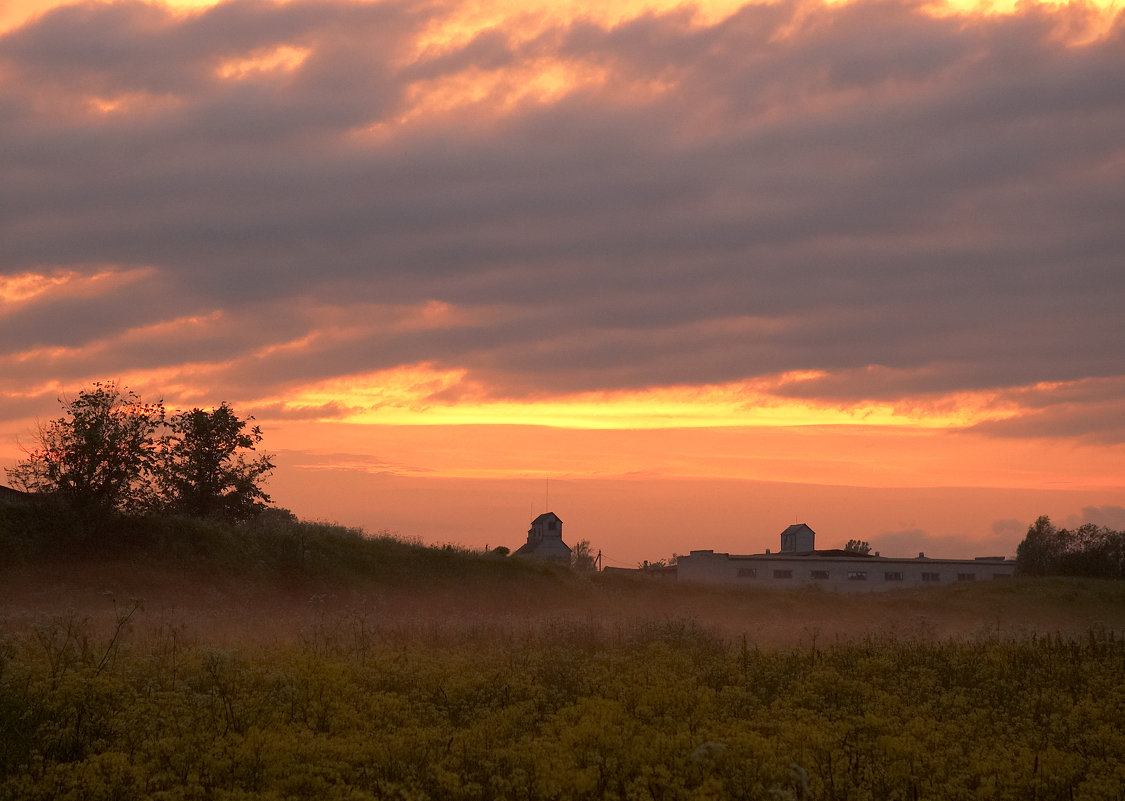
(793, 529)
(834, 552)
(550, 548)
(838, 552)
(546, 516)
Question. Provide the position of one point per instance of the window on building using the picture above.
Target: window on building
(747, 572)
(857, 575)
(819, 574)
(931, 577)
(550, 525)
(892, 575)
(782, 574)
(966, 576)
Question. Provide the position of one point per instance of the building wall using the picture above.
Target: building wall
(842, 574)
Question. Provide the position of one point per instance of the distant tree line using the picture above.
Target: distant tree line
(110, 452)
(1089, 550)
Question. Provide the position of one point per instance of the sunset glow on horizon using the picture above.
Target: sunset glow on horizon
(412, 396)
(666, 255)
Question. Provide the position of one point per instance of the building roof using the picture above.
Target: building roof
(840, 554)
(836, 552)
(548, 548)
(546, 516)
(796, 527)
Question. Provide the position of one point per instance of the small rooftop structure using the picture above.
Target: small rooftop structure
(798, 538)
(544, 540)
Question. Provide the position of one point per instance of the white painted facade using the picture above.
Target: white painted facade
(836, 570)
(544, 540)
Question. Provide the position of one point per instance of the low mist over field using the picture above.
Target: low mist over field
(180, 658)
(476, 592)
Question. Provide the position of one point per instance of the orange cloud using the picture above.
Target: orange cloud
(528, 18)
(25, 286)
(169, 330)
(279, 59)
(29, 286)
(129, 103)
(525, 19)
(1078, 23)
(541, 81)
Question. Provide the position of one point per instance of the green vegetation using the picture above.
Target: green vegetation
(273, 549)
(358, 707)
(202, 468)
(279, 659)
(103, 457)
(858, 546)
(1089, 550)
(97, 455)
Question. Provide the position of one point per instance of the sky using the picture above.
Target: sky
(682, 273)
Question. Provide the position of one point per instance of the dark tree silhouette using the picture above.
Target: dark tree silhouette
(204, 468)
(858, 546)
(1088, 550)
(582, 556)
(103, 455)
(98, 455)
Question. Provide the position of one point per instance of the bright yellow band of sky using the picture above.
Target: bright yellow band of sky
(406, 396)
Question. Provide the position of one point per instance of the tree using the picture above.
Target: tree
(1089, 550)
(582, 556)
(204, 470)
(858, 546)
(1041, 551)
(99, 454)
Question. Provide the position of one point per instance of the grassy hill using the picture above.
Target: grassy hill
(272, 576)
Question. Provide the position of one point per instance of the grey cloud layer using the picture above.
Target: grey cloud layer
(829, 189)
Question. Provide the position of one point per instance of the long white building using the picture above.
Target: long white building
(799, 563)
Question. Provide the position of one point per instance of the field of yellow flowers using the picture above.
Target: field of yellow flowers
(256, 693)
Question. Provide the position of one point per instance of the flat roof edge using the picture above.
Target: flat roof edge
(897, 560)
